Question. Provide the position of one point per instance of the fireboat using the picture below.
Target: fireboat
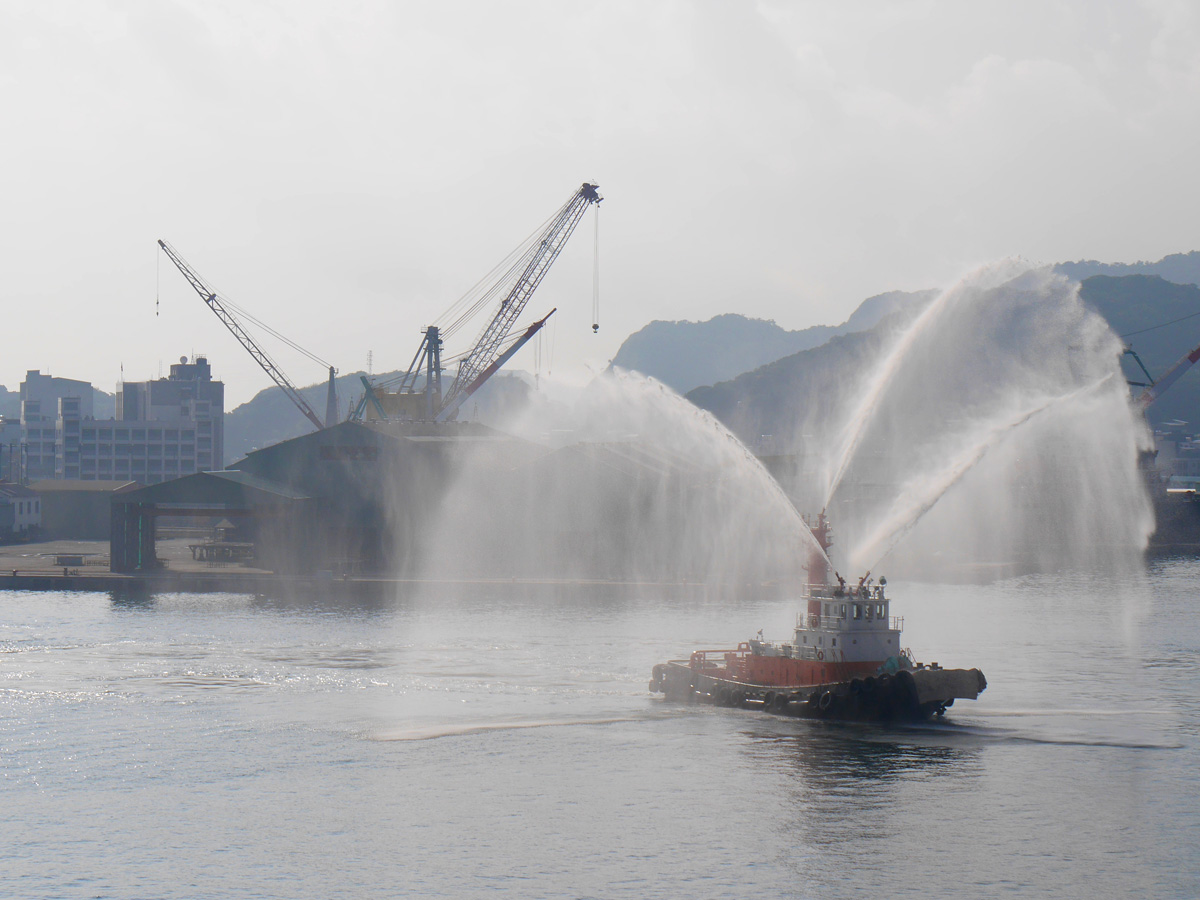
(845, 661)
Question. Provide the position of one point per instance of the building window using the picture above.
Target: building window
(155, 434)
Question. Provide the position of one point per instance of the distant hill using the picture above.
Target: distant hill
(1181, 268)
(798, 394)
(1160, 320)
(10, 403)
(104, 405)
(685, 355)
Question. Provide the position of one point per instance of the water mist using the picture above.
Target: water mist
(629, 483)
(996, 428)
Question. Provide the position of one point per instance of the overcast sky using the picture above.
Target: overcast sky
(346, 171)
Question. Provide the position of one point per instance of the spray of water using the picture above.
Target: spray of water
(995, 427)
(865, 409)
(624, 481)
(919, 495)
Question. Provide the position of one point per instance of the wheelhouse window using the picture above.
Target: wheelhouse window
(857, 610)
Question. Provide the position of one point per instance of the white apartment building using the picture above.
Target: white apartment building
(163, 429)
(40, 396)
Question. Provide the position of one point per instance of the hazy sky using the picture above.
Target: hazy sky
(347, 170)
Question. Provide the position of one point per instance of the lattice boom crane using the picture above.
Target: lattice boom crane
(479, 364)
(213, 299)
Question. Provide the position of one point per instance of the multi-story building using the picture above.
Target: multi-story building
(163, 429)
(40, 398)
(10, 449)
(1178, 454)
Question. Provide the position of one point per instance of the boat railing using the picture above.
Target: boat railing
(715, 659)
(818, 622)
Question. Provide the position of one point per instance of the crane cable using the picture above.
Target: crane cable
(1163, 325)
(471, 303)
(245, 314)
(596, 276)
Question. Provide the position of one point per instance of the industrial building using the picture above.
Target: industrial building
(77, 510)
(349, 499)
(20, 512)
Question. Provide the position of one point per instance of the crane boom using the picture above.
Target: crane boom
(213, 299)
(461, 397)
(483, 356)
(1172, 375)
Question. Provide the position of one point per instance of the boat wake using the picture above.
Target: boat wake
(442, 730)
(997, 734)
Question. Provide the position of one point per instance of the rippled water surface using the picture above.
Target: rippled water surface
(481, 741)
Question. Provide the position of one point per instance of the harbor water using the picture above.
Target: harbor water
(499, 740)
